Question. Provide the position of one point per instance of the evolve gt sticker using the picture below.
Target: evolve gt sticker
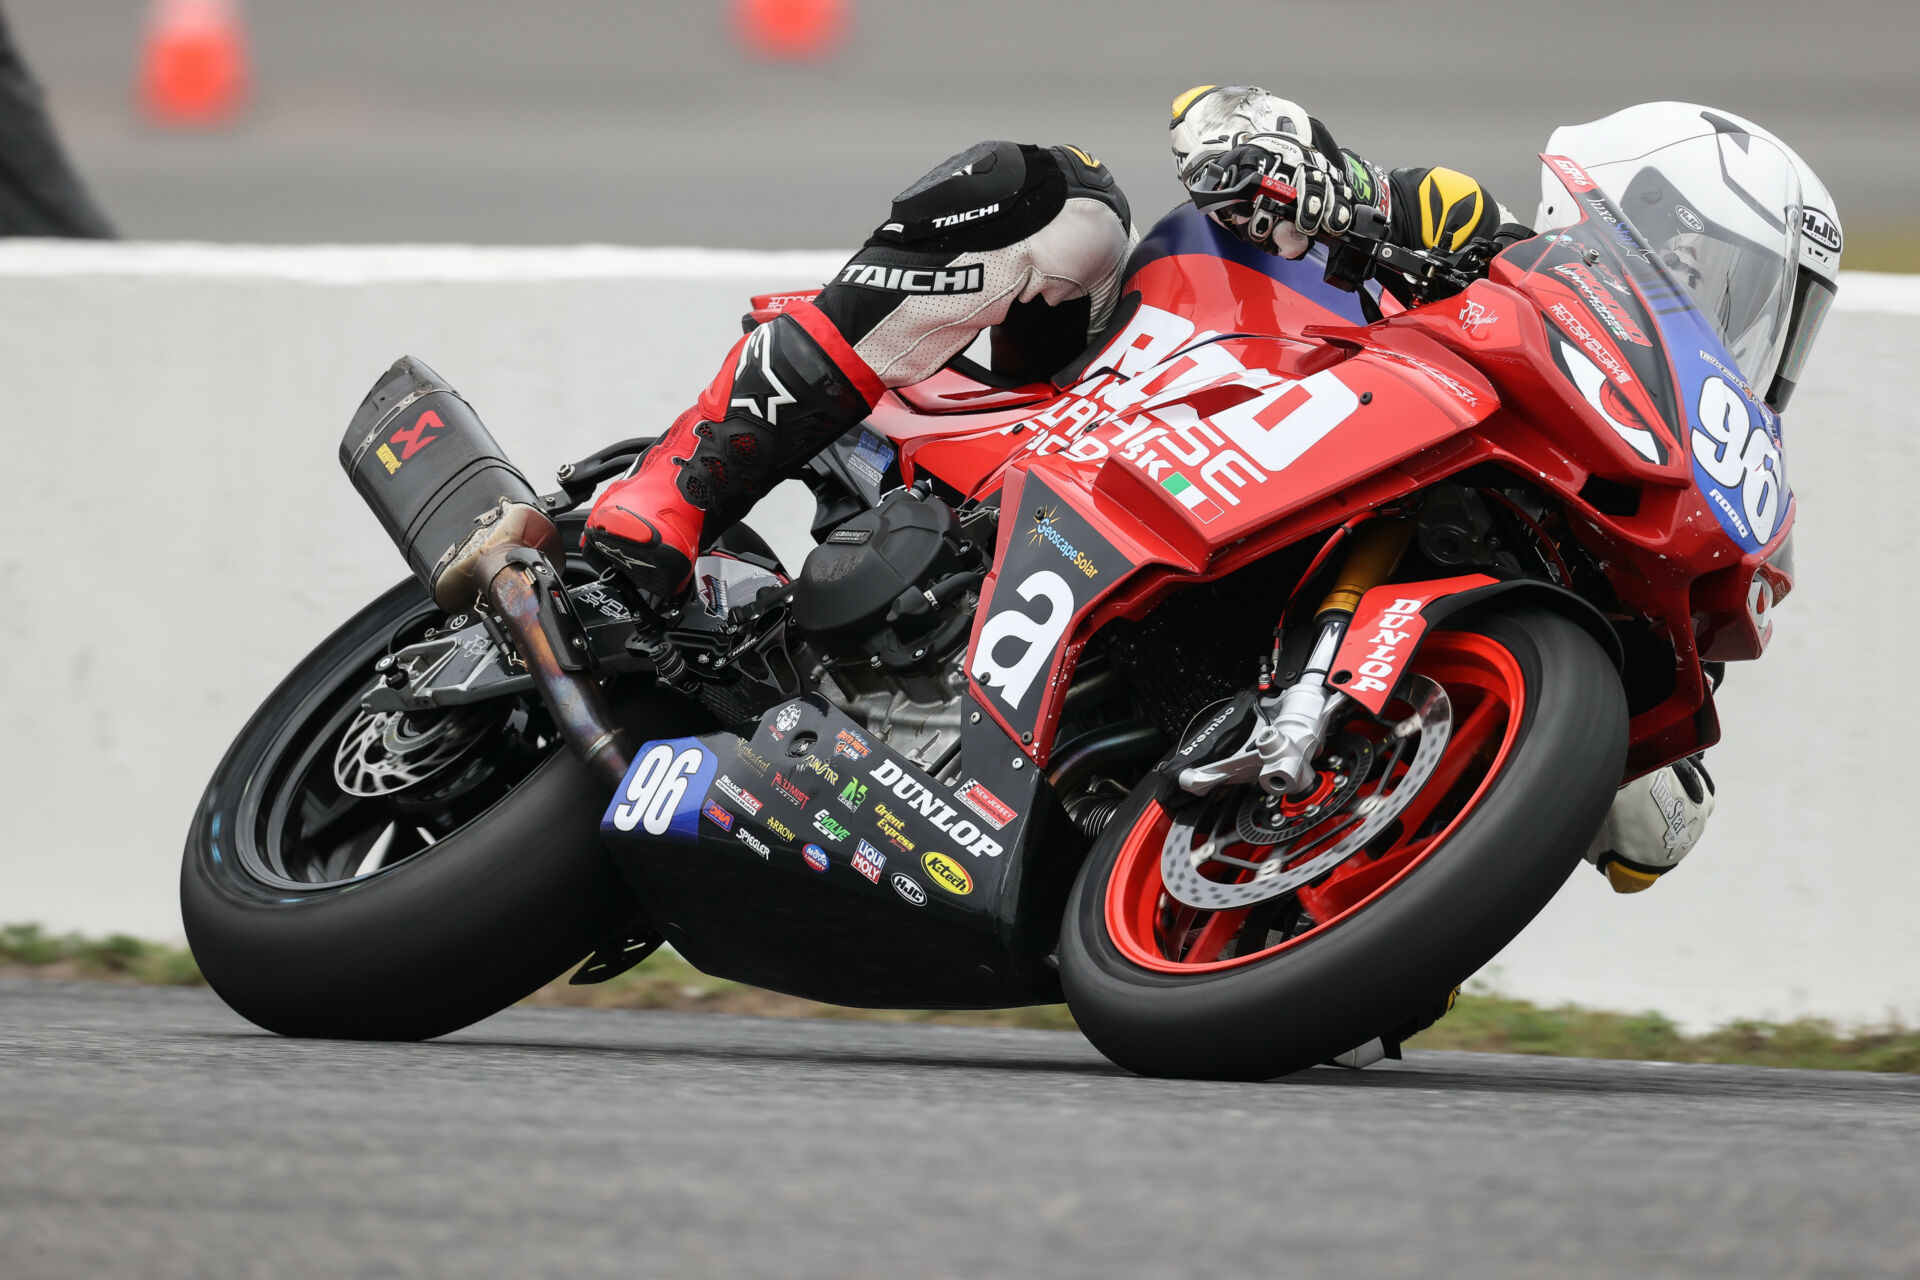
(663, 790)
(1055, 565)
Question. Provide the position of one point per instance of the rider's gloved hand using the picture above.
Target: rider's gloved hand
(1225, 140)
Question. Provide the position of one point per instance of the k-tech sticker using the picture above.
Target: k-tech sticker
(663, 790)
(948, 874)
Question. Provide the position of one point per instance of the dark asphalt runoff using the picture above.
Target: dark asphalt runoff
(642, 122)
(151, 1133)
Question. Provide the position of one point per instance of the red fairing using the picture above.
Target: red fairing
(1232, 416)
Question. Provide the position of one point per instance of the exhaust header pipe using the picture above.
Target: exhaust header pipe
(469, 526)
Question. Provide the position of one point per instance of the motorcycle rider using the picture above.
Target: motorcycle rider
(1032, 243)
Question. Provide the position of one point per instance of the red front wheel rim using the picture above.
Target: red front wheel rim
(1151, 929)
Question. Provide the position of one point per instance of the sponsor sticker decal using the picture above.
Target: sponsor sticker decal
(783, 724)
(662, 793)
(922, 801)
(854, 794)
(948, 874)
(851, 745)
(779, 828)
(909, 888)
(826, 825)
(983, 802)
(815, 857)
(893, 827)
(717, 816)
(753, 842)
(785, 789)
(869, 861)
(732, 790)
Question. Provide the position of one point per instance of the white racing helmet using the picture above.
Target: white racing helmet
(1770, 320)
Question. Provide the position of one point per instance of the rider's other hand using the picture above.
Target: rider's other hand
(1227, 189)
(1225, 140)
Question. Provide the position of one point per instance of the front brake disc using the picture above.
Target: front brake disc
(1181, 859)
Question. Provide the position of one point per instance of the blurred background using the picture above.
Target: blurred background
(648, 122)
(169, 415)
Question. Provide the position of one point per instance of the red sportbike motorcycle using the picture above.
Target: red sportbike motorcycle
(1249, 686)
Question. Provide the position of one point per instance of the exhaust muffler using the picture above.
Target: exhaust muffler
(471, 529)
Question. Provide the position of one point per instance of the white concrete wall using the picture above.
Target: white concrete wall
(171, 415)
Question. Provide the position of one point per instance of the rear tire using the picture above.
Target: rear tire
(1364, 974)
(499, 906)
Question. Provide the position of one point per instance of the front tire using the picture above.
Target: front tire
(1167, 990)
(314, 911)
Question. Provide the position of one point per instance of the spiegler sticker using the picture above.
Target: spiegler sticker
(663, 791)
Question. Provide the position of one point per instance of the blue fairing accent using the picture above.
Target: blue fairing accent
(1699, 357)
(663, 791)
(1187, 230)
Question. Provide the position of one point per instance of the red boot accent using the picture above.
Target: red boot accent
(643, 525)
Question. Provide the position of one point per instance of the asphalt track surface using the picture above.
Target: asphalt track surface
(151, 1133)
(641, 122)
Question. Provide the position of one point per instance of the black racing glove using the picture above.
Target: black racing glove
(1236, 190)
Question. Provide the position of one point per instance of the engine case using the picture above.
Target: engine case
(888, 583)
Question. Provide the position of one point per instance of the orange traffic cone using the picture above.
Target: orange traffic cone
(790, 30)
(193, 66)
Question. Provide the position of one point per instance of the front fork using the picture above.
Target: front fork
(1291, 728)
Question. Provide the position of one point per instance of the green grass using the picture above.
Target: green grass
(1479, 1022)
(25, 948)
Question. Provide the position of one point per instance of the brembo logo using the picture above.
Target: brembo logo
(909, 280)
(1375, 673)
(935, 810)
(971, 215)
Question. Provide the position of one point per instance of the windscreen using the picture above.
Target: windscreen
(1720, 215)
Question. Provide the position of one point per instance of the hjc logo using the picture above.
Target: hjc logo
(410, 439)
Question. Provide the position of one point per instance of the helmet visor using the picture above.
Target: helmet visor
(1812, 299)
